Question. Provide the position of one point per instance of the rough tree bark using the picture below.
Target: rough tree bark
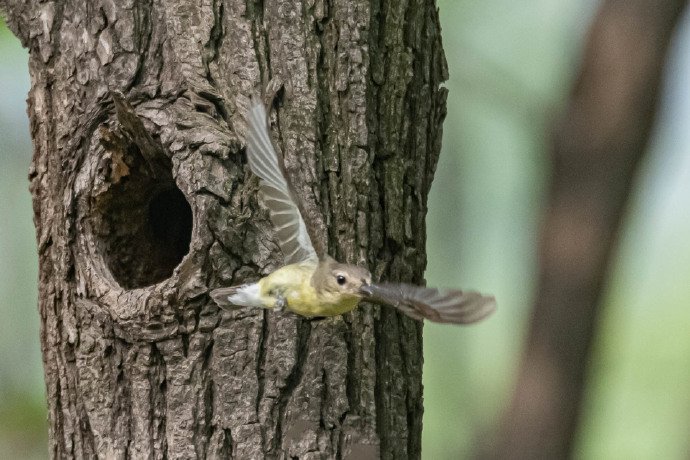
(143, 201)
(597, 149)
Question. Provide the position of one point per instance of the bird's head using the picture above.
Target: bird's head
(337, 278)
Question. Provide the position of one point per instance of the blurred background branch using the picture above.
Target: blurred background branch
(597, 149)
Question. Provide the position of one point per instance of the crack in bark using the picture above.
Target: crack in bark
(293, 379)
(144, 39)
(259, 368)
(215, 41)
(159, 386)
(227, 442)
(260, 40)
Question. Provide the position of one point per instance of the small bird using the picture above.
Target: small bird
(315, 285)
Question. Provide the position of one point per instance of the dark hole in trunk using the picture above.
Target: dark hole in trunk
(170, 218)
(143, 222)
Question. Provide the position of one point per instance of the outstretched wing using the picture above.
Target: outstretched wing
(440, 306)
(277, 194)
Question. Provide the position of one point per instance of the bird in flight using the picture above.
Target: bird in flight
(315, 285)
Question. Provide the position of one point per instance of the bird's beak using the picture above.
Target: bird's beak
(366, 290)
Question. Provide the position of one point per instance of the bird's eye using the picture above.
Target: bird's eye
(341, 279)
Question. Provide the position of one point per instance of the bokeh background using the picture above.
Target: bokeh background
(511, 65)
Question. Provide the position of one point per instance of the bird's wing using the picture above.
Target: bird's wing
(440, 306)
(277, 192)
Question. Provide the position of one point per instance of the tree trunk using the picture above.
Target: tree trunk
(143, 202)
(597, 149)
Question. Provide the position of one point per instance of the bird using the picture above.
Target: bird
(315, 285)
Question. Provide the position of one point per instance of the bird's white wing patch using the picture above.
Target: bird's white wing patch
(290, 229)
(247, 295)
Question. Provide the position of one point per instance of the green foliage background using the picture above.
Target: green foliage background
(511, 65)
(23, 427)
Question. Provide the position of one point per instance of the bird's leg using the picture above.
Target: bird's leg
(281, 303)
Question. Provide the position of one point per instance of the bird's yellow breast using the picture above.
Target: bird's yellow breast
(293, 282)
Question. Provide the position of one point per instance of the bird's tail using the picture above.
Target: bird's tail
(246, 295)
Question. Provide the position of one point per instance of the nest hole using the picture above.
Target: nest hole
(144, 226)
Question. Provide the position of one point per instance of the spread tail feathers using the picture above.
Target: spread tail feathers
(247, 295)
